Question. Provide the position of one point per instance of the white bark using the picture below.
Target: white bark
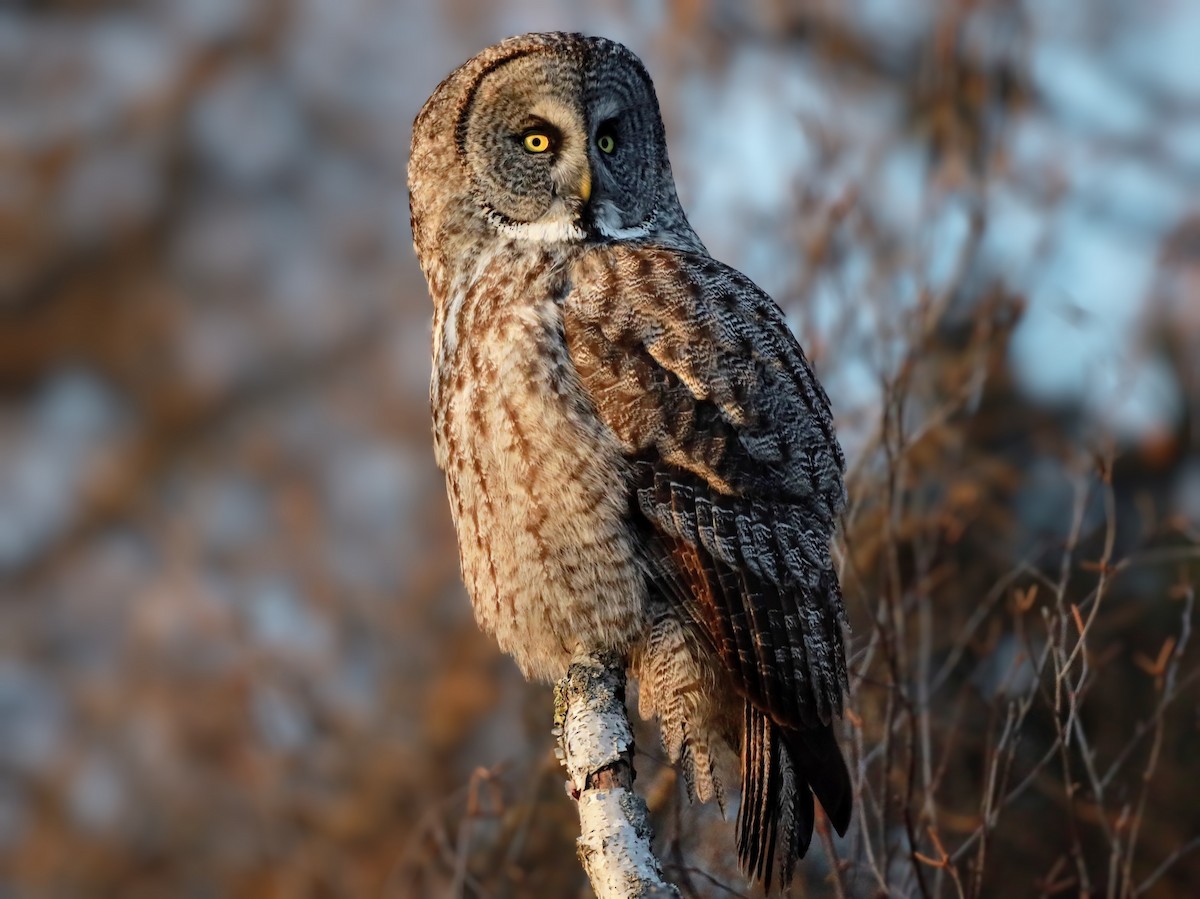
(596, 747)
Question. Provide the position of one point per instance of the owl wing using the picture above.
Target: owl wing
(734, 464)
(736, 484)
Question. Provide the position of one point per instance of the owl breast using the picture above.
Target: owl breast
(535, 480)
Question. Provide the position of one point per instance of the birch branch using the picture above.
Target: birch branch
(595, 745)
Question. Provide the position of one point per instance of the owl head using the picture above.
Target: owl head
(547, 138)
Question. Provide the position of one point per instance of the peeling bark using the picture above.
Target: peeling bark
(595, 745)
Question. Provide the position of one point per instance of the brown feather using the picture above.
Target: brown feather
(736, 484)
(638, 456)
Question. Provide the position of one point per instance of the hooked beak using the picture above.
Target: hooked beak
(585, 185)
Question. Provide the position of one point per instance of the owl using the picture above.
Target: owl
(637, 454)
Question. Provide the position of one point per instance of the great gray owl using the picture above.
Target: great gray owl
(637, 454)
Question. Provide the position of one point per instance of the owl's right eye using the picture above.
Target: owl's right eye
(537, 142)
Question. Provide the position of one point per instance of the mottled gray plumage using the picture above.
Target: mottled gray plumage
(637, 454)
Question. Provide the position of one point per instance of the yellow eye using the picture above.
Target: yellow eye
(536, 142)
(606, 142)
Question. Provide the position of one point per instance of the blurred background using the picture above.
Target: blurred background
(235, 656)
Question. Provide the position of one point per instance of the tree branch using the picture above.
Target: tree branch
(595, 745)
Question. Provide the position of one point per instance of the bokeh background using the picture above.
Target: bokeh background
(235, 656)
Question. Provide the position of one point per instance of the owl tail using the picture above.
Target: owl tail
(781, 771)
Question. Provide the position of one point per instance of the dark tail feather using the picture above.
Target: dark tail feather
(757, 816)
(795, 817)
(818, 755)
(781, 770)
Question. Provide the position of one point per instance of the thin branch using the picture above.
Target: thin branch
(1156, 875)
(595, 742)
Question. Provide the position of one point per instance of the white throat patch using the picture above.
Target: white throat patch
(623, 233)
(608, 223)
(554, 231)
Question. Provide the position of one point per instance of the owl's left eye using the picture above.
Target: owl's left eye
(606, 137)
